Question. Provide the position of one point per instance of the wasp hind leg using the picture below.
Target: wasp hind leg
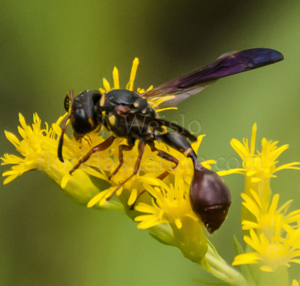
(163, 155)
(121, 157)
(136, 168)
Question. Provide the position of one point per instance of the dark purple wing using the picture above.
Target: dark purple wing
(226, 65)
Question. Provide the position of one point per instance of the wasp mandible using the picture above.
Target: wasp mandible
(119, 109)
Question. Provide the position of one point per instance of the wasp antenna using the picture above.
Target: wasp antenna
(61, 138)
(71, 95)
(59, 149)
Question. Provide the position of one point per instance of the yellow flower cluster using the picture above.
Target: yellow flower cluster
(159, 193)
(270, 231)
(158, 196)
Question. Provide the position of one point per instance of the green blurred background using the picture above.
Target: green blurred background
(49, 47)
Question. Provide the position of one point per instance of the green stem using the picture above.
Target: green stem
(218, 267)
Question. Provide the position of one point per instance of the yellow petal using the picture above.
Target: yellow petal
(116, 78)
(178, 223)
(144, 208)
(106, 84)
(247, 225)
(266, 268)
(13, 139)
(256, 198)
(132, 197)
(9, 179)
(239, 148)
(196, 145)
(253, 138)
(22, 121)
(65, 180)
(246, 258)
(95, 200)
(288, 166)
(149, 223)
(250, 205)
(135, 64)
(231, 171)
(274, 204)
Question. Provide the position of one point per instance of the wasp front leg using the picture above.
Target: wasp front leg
(101, 147)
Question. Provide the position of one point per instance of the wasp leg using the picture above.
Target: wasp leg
(101, 147)
(163, 155)
(138, 196)
(121, 159)
(160, 177)
(136, 168)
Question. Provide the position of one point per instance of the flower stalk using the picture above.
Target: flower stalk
(218, 267)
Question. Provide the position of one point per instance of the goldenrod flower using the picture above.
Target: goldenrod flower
(159, 192)
(271, 233)
(271, 254)
(272, 220)
(259, 167)
(38, 148)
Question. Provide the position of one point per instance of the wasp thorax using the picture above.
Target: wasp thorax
(210, 198)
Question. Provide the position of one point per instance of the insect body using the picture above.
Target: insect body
(128, 114)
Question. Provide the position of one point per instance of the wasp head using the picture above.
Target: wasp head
(83, 114)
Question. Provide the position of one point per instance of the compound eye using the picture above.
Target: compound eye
(67, 103)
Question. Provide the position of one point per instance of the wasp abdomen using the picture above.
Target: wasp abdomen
(210, 198)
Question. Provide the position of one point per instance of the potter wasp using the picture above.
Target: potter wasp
(128, 114)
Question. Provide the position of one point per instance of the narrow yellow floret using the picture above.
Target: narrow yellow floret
(106, 84)
(116, 78)
(130, 84)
